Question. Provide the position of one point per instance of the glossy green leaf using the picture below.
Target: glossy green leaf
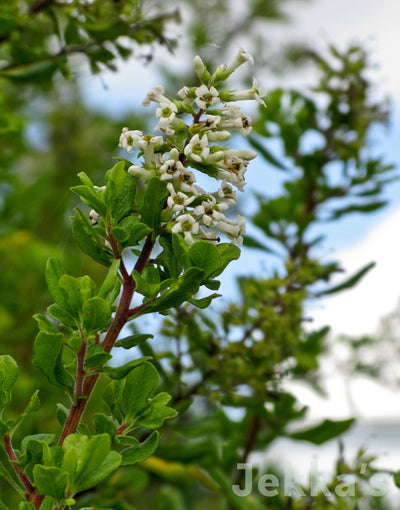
(51, 481)
(136, 454)
(54, 271)
(45, 324)
(8, 372)
(24, 505)
(59, 314)
(350, 282)
(132, 341)
(121, 372)
(138, 386)
(95, 356)
(187, 286)
(154, 197)
(325, 431)
(104, 424)
(96, 313)
(120, 192)
(205, 256)
(111, 285)
(47, 355)
(88, 241)
(91, 197)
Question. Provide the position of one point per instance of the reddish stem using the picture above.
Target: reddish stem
(11, 455)
(80, 368)
(120, 319)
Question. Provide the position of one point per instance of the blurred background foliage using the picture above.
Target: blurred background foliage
(225, 368)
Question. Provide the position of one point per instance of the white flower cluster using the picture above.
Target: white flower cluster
(182, 147)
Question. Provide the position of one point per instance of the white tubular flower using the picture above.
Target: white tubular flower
(100, 188)
(206, 97)
(212, 237)
(139, 172)
(156, 94)
(188, 226)
(212, 121)
(209, 211)
(240, 59)
(187, 180)
(130, 139)
(183, 95)
(94, 217)
(218, 136)
(245, 154)
(171, 169)
(197, 149)
(177, 201)
(166, 112)
(242, 122)
(242, 95)
(147, 145)
(227, 193)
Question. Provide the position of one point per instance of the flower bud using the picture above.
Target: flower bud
(215, 157)
(201, 70)
(245, 154)
(174, 154)
(218, 136)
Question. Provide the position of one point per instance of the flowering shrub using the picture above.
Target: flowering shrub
(73, 346)
(190, 210)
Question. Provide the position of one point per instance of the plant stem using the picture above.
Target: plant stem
(120, 319)
(11, 454)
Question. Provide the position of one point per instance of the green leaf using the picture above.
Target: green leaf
(72, 34)
(187, 286)
(396, 479)
(51, 481)
(110, 287)
(154, 197)
(95, 356)
(91, 197)
(153, 415)
(45, 324)
(47, 356)
(138, 386)
(130, 231)
(8, 372)
(349, 283)
(109, 465)
(205, 256)
(227, 252)
(54, 271)
(104, 425)
(32, 407)
(136, 454)
(26, 506)
(120, 192)
(88, 241)
(203, 302)
(8, 473)
(59, 314)
(88, 461)
(121, 372)
(72, 290)
(132, 341)
(127, 440)
(168, 258)
(323, 432)
(96, 314)
(147, 283)
(180, 250)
